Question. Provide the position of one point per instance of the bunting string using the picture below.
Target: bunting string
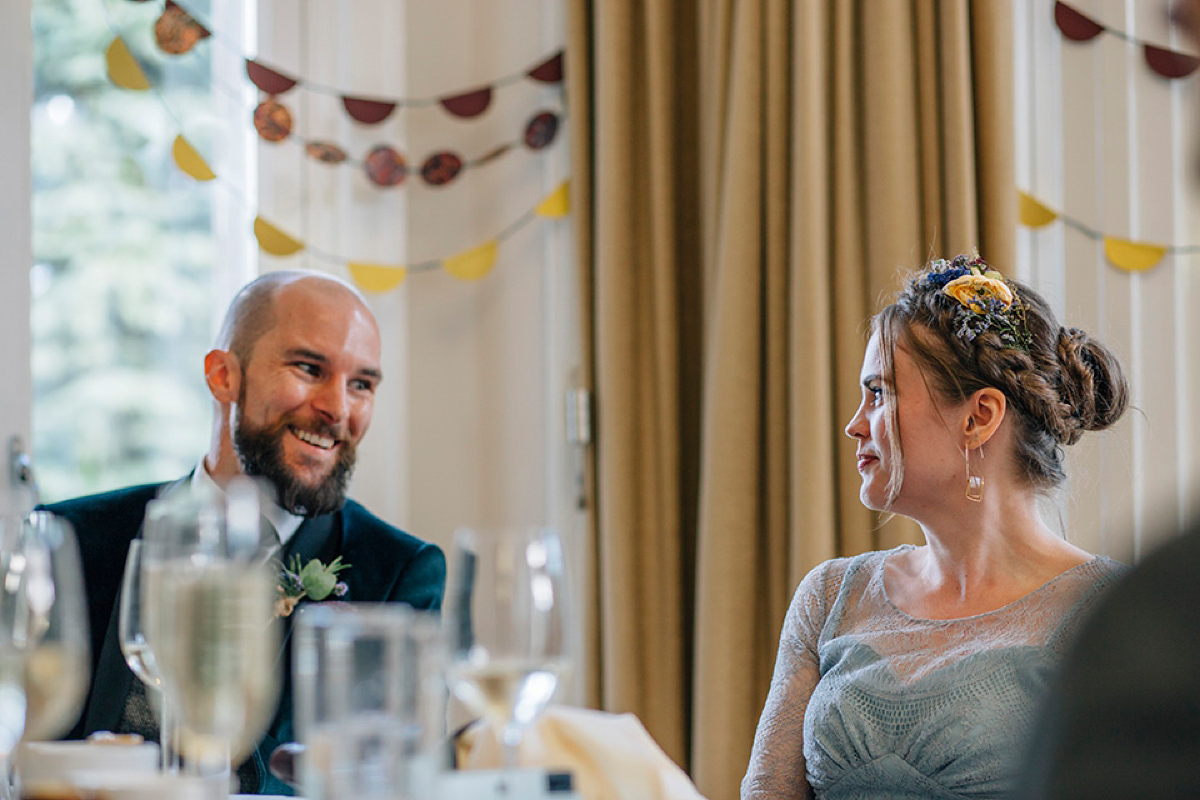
(1124, 254)
(1078, 27)
(469, 265)
(383, 164)
(177, 31)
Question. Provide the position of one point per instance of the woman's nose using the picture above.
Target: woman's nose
(856, 428)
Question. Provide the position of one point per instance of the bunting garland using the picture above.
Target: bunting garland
(468, 265)
(1078, 27)
(373, 110)
(385, 166)
(1121, 253)
(177, 32)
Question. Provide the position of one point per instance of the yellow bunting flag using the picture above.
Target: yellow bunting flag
(190, 161)
(1133, 256)
(123, 68)
(376, 277)
(555, 204)
(472, 264)
(273, 240)
(1033, 213)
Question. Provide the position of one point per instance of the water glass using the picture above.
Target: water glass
(368, 700)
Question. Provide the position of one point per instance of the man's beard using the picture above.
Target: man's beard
(260, 451)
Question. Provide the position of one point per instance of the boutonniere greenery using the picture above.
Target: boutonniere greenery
(314, 581)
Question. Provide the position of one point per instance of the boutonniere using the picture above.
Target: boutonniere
(314, 580)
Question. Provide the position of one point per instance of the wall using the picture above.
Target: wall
(1105, 140)
(16, 93)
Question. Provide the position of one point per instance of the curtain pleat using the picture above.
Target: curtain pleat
(759, 174)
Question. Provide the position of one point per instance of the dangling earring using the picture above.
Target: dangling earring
(974, 482)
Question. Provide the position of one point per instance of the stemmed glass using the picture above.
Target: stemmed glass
(43, 631)
(506, 617)
(132, 623)
(213, 631)
(57, 663)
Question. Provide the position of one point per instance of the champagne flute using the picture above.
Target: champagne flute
(14, 627)
(137, 605)
(57, 660)
(43, 631)
(507, 615)
(213, 631)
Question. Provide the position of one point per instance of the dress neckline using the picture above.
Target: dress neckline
(1091, 562)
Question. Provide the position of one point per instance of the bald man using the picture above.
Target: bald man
(293, 380)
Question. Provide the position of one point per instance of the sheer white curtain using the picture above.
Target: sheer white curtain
(1106, 142)
(469, 423)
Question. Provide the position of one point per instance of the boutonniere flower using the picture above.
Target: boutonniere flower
(314, 580)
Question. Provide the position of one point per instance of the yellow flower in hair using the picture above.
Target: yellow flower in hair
(980, 293)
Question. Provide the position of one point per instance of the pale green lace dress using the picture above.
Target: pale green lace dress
(870, 702)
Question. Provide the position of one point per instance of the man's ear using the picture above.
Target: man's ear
(223, 374)
(985, 411)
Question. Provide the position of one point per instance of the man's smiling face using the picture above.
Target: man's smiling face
(306, 395)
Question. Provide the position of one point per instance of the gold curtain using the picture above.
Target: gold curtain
(750, 179)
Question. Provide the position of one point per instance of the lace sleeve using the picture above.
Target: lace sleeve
(776, 767)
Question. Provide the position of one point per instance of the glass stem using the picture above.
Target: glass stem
(168, 740)
(510, 737)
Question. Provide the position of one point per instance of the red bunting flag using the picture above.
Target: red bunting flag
(1169, 63)
(368, 112)
(1078, 27)
(1074, 25)
(267, 79)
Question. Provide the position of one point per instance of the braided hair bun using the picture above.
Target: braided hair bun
(968, 328)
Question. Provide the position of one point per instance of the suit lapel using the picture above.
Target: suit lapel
(318, 537)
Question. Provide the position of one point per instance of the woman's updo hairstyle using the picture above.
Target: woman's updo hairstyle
(967, 328)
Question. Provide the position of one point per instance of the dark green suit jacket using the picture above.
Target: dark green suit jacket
(386, 564)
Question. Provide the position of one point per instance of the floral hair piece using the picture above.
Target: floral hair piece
(984, 300)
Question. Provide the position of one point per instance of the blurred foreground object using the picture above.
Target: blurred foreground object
(611, 756)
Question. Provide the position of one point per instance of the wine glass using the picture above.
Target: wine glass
(44, 660)
(213, 631)
(14, 629)
(137, 605)
(506, 616)
(58, 651)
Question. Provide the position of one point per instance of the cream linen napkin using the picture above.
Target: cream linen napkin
(611, 756)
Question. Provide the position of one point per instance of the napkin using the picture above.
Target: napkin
(611, 756)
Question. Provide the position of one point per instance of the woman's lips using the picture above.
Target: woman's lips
(865, 461)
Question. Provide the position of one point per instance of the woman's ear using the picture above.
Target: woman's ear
(223, 374)
(985, 412)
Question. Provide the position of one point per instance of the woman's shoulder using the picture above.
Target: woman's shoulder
(1079, 590)
(829, 583)
(836, 570)
(1092, 577)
